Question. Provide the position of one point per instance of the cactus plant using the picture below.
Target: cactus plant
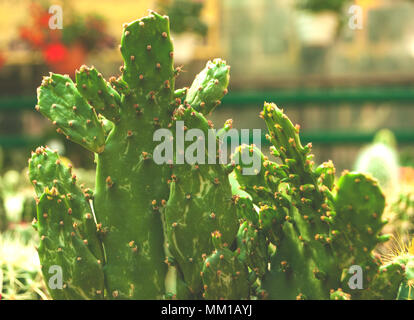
(16, 201)
(399, 267)
(402, 213)
(380, 159)
(167, 229)
(117, 121)
(20, 275)
(320, 229)
(136, 104)
(185, 16)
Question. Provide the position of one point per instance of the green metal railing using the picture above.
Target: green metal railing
(324, 97)
(329, 98)
(17, 103)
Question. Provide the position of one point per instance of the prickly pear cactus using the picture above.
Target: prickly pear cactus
(130, 187)
(164, 227)
(141, 213)
(318, 229)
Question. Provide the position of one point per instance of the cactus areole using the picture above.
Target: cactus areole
(187, 230)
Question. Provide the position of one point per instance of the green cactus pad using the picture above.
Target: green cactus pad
(148, 55)
(359, 204)
(200, 202)
(62, 246)
(224, 276)
(93, 87)
(61, 102)
(47, 172)
(253, 248)
(339, 295)
(209, 87)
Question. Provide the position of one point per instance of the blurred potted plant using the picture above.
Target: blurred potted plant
(319, 20)
(187, 27)
(16, 202)
(66, 49)
(20, 271)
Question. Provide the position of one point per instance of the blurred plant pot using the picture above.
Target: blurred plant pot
(66, 59)
(184, 46)
(317, 29)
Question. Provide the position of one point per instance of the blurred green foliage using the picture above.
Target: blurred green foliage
(322, 5)
(185, 16)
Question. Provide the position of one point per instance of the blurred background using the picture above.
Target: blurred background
(343, 70)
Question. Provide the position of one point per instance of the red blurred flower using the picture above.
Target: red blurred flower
(55, 53)
(24, 33)
(35, 38)
(2, 60)
(57, 46)
(43, 20)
